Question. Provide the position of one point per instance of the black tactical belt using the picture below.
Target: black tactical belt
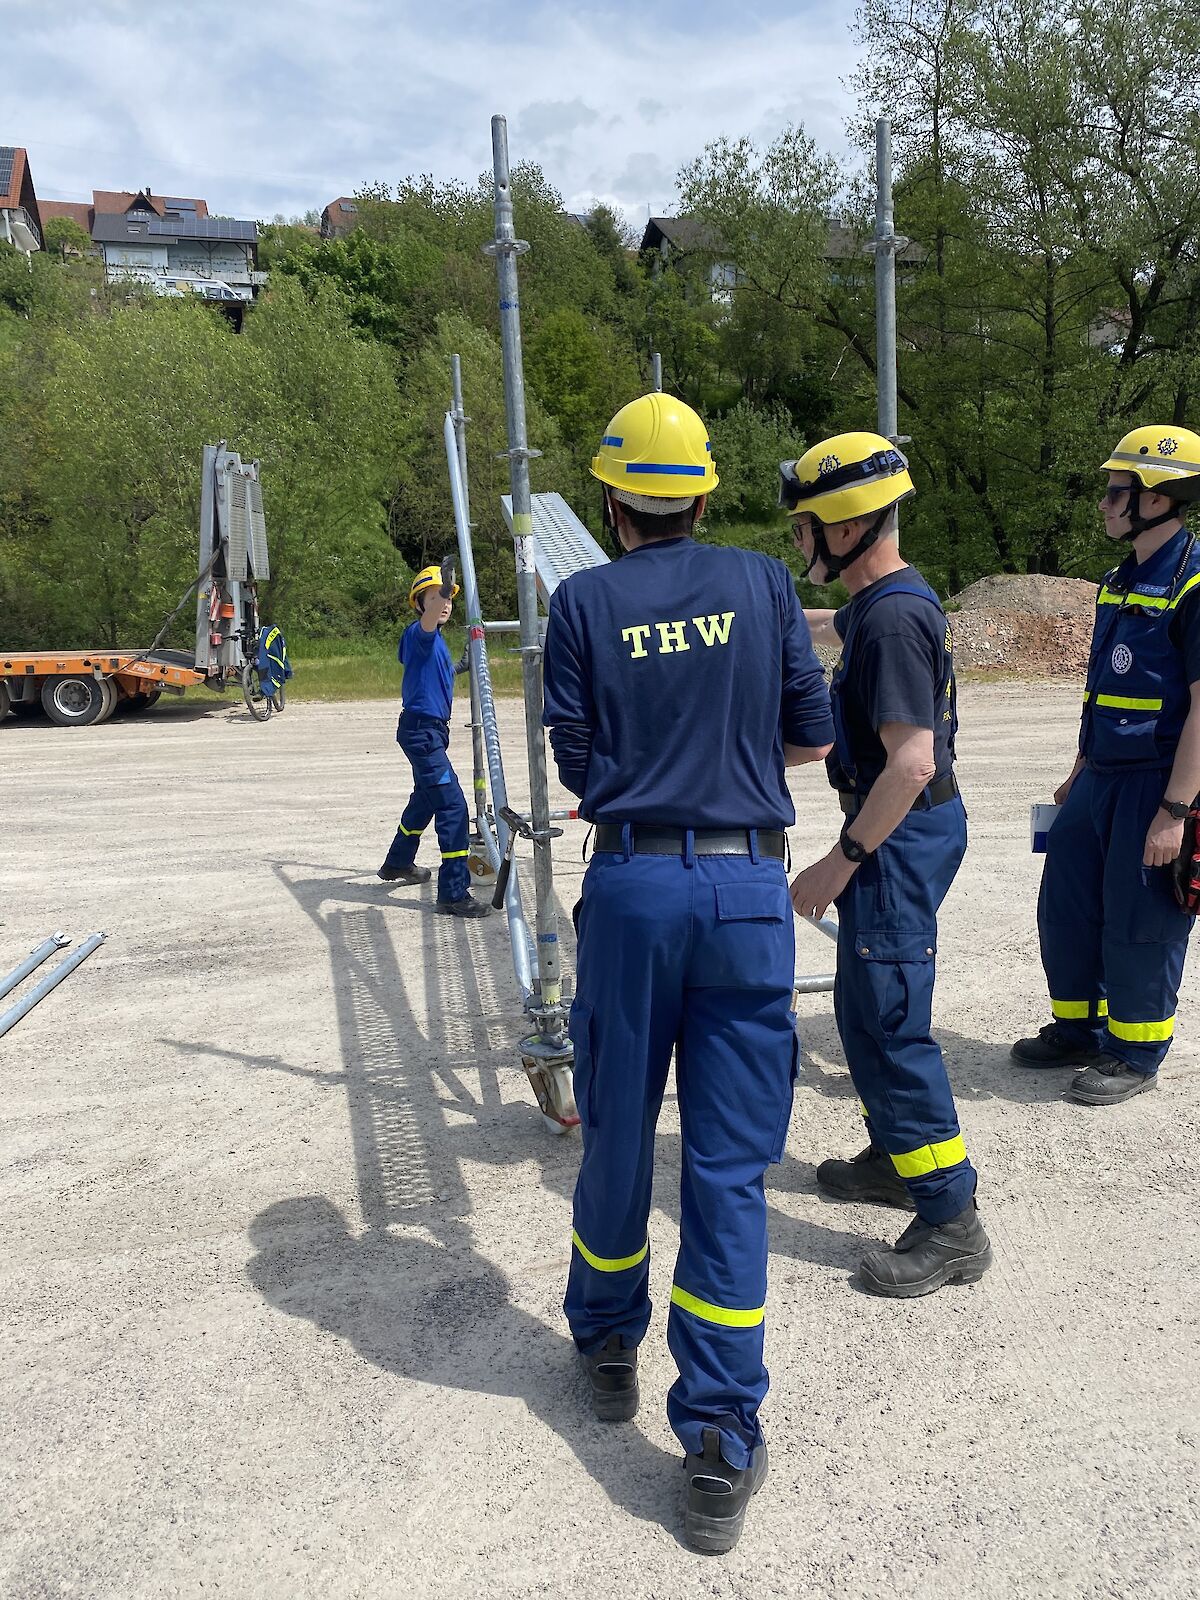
(935, 794)
(655, 841)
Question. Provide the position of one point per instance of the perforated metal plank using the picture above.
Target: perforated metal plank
(561, 543)
(237, 523)
(258, 531)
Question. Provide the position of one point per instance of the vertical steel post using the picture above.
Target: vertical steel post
(506, 247)
(656, 362)
(885, 281)
(479, 785)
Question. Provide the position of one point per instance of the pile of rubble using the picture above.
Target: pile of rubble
(1034, 626)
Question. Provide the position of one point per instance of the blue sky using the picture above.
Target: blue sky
(281, 105)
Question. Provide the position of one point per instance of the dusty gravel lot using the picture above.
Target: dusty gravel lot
(285, 1238)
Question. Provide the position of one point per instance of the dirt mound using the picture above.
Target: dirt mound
(1033, 594)
(1032, 646)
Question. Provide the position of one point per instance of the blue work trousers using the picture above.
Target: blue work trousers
(437, 796)
(695, 956)
(1113, 939)
(883, 1000)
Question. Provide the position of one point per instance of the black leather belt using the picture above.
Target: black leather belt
(646, 840)
(934, 794)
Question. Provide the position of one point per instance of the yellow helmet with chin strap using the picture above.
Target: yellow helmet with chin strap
(848, 476)
(656, 449)
(1163, 458)
(427, 578)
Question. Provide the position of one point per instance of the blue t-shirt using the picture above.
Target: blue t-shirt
(428, 685)
(673, 678)
(900, 668)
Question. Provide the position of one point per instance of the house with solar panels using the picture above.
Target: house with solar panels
(175, 246)
(20, 219)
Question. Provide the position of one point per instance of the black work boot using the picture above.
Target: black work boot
(612, 1373)
(1050, 1049)
(1110, 1081)
(468, 906)
(869, 1177)
(404, 874)
(926, 1256)
(718, 1494)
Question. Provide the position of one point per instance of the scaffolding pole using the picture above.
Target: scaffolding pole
(884, 246)
(479, 779)
(547, 1054)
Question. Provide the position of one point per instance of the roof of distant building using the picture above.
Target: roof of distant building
(110, 229)
(77, 210)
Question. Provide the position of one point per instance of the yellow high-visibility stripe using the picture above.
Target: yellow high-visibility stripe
(916, 1163)
(453, 855)
(1148, 602)
(862, 1108)
(1077, 1010)
(411, 833)
(1123, 703)
(723, 1316)
(1142, 1032)
(609, 1263)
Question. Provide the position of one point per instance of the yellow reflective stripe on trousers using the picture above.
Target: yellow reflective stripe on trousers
(1077, 1010)
(1119, 702)
(453, 855)
(1142, 1032)
(609, 1263)
(411, 833)
(724, 1316)
(916, 1163)
(863, 1110)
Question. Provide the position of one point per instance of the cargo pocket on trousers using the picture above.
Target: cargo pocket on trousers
(580, 1029)
(785, 1116)
(893, 969)
(753, 946)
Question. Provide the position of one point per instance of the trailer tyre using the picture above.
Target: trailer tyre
(77, 702)
(132, 704)
(5, 698)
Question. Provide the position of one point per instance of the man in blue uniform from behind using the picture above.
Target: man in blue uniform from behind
(423, 733)
(904, 836)
(678, 681)
(1113, 939)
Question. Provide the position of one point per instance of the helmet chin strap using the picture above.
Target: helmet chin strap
(1138, 524)
(836, 565)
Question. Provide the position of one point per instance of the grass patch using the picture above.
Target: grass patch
(367, 669)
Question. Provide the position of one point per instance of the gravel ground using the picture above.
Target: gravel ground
(286, 1238)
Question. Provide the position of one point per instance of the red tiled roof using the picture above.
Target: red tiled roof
(78, 210)
(115, 202)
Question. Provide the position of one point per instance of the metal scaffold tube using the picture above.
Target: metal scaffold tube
(551, 1017)
(32, 961)
(22, 1008)
(481, 684)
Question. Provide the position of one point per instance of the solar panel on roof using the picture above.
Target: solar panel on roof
(8, 158)
(181, 205)
(205, 228)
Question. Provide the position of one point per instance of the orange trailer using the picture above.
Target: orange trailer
(76, 688)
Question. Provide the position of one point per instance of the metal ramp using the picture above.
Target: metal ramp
(561, 543)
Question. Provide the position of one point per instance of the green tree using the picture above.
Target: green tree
(64, 236)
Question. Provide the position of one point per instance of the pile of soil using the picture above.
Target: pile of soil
(1032, 625)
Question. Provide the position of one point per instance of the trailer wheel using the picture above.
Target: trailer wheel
(76, 702)
(5, 698)
(258, 703)
(132, 704)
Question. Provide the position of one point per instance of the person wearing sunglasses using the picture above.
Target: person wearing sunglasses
(1113, 939)
(903, 838)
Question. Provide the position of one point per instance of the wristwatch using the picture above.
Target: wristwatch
(851, 849)
(1179, 809)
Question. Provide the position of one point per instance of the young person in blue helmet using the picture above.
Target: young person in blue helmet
(423, 733)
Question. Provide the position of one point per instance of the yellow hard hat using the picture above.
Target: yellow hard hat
(1161, 457)
(658, 449)
(425, 579)
(848, 476)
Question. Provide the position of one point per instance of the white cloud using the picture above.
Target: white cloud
(283, 105)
